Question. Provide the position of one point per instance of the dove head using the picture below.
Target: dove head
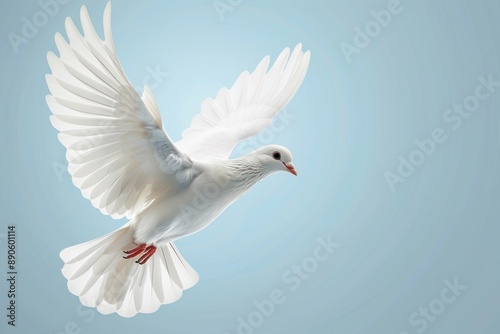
(276, 158)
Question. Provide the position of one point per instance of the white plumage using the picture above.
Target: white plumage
(123, 161)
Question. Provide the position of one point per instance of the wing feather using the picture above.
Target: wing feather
(119, 155)
(247, 108)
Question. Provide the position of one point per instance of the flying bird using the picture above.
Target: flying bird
(124, 162)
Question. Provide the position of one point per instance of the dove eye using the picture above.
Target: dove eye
(277, 155)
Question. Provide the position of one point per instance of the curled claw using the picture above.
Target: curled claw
(146, 251)
(134, 252)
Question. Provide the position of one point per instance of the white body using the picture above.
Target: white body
(171, 217)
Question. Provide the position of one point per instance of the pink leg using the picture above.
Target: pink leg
(146, 251)
(134, 252)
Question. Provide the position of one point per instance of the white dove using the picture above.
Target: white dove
(127, 166)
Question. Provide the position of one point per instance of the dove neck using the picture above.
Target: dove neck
(246, 171)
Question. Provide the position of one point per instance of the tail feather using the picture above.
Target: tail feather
(97, 272)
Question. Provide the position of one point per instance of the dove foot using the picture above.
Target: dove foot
(145, 250)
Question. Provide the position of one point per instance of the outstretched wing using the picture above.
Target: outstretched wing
(119, 155)
(247, 108)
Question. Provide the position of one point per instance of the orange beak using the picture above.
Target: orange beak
(290, 167)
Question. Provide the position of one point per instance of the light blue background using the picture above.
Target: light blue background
(349, 124)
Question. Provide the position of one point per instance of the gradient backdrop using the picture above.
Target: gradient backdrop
(351, 123)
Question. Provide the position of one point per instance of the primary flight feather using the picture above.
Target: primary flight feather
(123, 161)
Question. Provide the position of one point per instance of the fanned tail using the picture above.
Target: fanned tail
(97, 272)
